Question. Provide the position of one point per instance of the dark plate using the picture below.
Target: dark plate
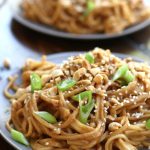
(54, 32)
(5, 105)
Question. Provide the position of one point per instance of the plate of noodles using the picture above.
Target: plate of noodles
(83, 19)
(90, 101)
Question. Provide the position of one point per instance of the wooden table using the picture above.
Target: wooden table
(17, 43)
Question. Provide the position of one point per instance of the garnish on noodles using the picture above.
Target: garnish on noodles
(79, 105)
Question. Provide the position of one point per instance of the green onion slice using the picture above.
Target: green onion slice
(123, 75)
(66, 84)
(147, 124)
(85, 110)
(46, 116)
(89, 8)
(120, 72)
(19, 137)
(83, 95)
(36, 83)
(89, 57)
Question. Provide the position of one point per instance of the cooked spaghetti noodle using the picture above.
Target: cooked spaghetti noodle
(117, 120)
(86, 16)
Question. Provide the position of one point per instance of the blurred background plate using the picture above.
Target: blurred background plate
(18, 16)
(5, 105)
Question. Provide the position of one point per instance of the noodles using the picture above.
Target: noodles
(86, 16)
(80, 105)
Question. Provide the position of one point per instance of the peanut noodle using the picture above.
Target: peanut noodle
(117, 120)
(104, 16)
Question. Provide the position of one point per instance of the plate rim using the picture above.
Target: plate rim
(64, 56)
(48, 30)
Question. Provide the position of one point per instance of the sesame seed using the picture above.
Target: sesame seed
(137, 115)
(103, 124)
(134, 97)
(121, 104)
(103, 62)
(126, 101)
(141, 107)
(118, 98)
(95, 110)
(47, 143)
(120, 94)
(95, 106)
(85, 102)
(135, 92)
(104, 94)
(60, 123)
(132, 100)
(57, 130)
(67, 101)
(104, 102)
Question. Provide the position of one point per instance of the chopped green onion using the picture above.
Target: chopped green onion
(46, 116)
(129, 77)
(120, 72)
(85, 110)
(86, 94)
(36, 83)
(123, 75)
(19, 137)
(89, 8)
(66, 84)
(89, 58)
(147, 124)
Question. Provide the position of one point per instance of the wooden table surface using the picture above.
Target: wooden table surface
(17, 43)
